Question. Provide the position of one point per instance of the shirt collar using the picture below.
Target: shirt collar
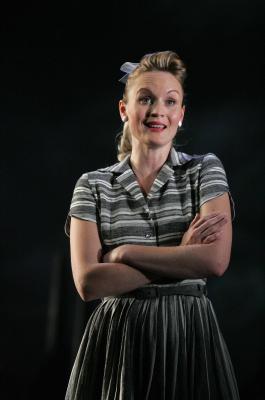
(175, 158)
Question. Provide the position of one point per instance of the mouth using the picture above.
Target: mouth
(155, 126)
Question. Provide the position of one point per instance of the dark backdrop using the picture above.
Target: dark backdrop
(59, 118)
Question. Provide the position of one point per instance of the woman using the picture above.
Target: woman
(145, 234)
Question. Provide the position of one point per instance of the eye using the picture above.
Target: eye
(145, 100)
(171, 102)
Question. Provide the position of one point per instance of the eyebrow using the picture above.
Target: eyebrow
(174, 90)
(149, 90)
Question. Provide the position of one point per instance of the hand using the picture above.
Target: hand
(204, 230)
(114, 255)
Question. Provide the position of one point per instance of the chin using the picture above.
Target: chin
(155, 144)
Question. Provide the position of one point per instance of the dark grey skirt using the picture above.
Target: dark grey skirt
(162, 348)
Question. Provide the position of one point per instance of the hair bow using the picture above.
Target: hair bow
(128, 68)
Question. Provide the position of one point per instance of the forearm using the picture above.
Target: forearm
(109, 279)
(193, 261)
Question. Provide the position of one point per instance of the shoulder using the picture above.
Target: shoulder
(211, 159)
(199, 167)
(200, 161)
(98, 175)
(202, 158)
(103, 171)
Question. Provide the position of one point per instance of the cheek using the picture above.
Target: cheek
(136, 116)
(175, 118)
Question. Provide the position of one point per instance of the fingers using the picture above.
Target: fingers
(208, 228)
(211, 238)
(214, 228)
(195, 219)
(210, 220)
(205, 229)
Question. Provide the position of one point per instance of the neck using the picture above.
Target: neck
(147, 162)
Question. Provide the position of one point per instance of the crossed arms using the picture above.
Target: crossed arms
(204, 251)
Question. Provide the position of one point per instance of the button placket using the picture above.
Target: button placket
(149, 233)
(147, 213)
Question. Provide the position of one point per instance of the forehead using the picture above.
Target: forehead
(156, 81)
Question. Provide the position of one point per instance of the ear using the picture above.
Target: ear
(182, 114)
(122, 109)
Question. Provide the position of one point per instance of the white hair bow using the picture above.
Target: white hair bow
(128, 68)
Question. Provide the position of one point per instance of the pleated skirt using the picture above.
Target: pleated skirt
(163, 348)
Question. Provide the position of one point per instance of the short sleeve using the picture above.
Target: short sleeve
(213, 181)
(83, 204)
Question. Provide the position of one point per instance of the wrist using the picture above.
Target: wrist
(120, 253)
(124, 253)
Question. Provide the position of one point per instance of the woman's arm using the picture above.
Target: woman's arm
(94, 279)
(190, 261)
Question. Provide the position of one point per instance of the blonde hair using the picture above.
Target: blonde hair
(167, 61)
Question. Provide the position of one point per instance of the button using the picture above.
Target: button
(147, 213)
(148, 235)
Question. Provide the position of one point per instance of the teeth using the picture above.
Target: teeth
(156, 126)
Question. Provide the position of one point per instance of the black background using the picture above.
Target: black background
(59, 118)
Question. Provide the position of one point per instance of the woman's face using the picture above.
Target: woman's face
(154, 109)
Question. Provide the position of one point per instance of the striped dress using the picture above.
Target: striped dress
(163, 348)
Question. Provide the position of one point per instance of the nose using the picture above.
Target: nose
(156, 114)
(157, 109)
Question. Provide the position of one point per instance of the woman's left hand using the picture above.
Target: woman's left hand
(205, 229)
(114, 255)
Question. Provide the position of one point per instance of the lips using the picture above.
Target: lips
(155, 125)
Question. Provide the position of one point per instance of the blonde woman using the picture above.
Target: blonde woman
(145, 233)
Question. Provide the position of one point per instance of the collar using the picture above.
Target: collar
(126, 177)
(175, 158)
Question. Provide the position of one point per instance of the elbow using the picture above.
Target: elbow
(219, 267)
(86, 293)
(83, 295)
(83, 292)
(84, 289)
(218, 260)
(85, 279)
